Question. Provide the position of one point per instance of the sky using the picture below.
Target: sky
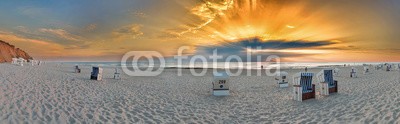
(295, 30)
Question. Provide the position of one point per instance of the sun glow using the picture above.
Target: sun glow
(230, 20)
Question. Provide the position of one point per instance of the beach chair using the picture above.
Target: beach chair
(14, 61)
(33, 62)
(281, 79)
(20, 61)
(398, 67)
(303, 88)
(336, 71)
(77, 69)
(379, 67)
(97, 73)
(366, 70)
(220, 85)
(388, 67)
(353, 73)
(117, 74)
(327, 84)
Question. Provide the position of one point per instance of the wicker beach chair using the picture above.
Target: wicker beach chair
(220, 84)
(303, 87)
(327, 83)
(353, 73)
(281, 79)
(77, 69)
(117, 74)
(97, 73)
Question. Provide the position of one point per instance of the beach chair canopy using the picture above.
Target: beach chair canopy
(96, 70)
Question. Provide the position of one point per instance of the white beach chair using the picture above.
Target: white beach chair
(220, 85)
(388, 67)
(33, 62)
(366, 70)
(281, 79)
(117, 74)
(398, 67)
(336, 71)
(97, 73)
(327, 83)
(14, 61)
(303, 88)
(353, 73)
(77, 69)
(379, 67)
(20, 61)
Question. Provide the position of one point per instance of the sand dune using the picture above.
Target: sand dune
(54, 94)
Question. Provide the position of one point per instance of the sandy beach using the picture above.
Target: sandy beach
(53, 93)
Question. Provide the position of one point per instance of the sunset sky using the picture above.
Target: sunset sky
(296, 30)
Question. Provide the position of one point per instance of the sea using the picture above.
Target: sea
(230, 65)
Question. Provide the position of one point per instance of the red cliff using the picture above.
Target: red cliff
(7, 52)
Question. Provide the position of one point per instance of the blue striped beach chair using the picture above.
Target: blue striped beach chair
(327, 83)
(97, 73)
(303, 87)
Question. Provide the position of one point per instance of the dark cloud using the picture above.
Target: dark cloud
(257, 43)
(239, 48)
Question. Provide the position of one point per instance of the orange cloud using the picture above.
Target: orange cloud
(91, 27)
(128, 32)
(12, 37)
(62, 34)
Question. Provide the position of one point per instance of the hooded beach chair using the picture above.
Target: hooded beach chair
(353, 73)
(366, 70)
(77, 69)
(117, 74)
(97, 73)
(14, 61)
(379, 67)
(336, 72)
(20, 61)
(398, 67)
(303, 88)
(388, 67)
(327, 83)
(281, 79)
(220, 84)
